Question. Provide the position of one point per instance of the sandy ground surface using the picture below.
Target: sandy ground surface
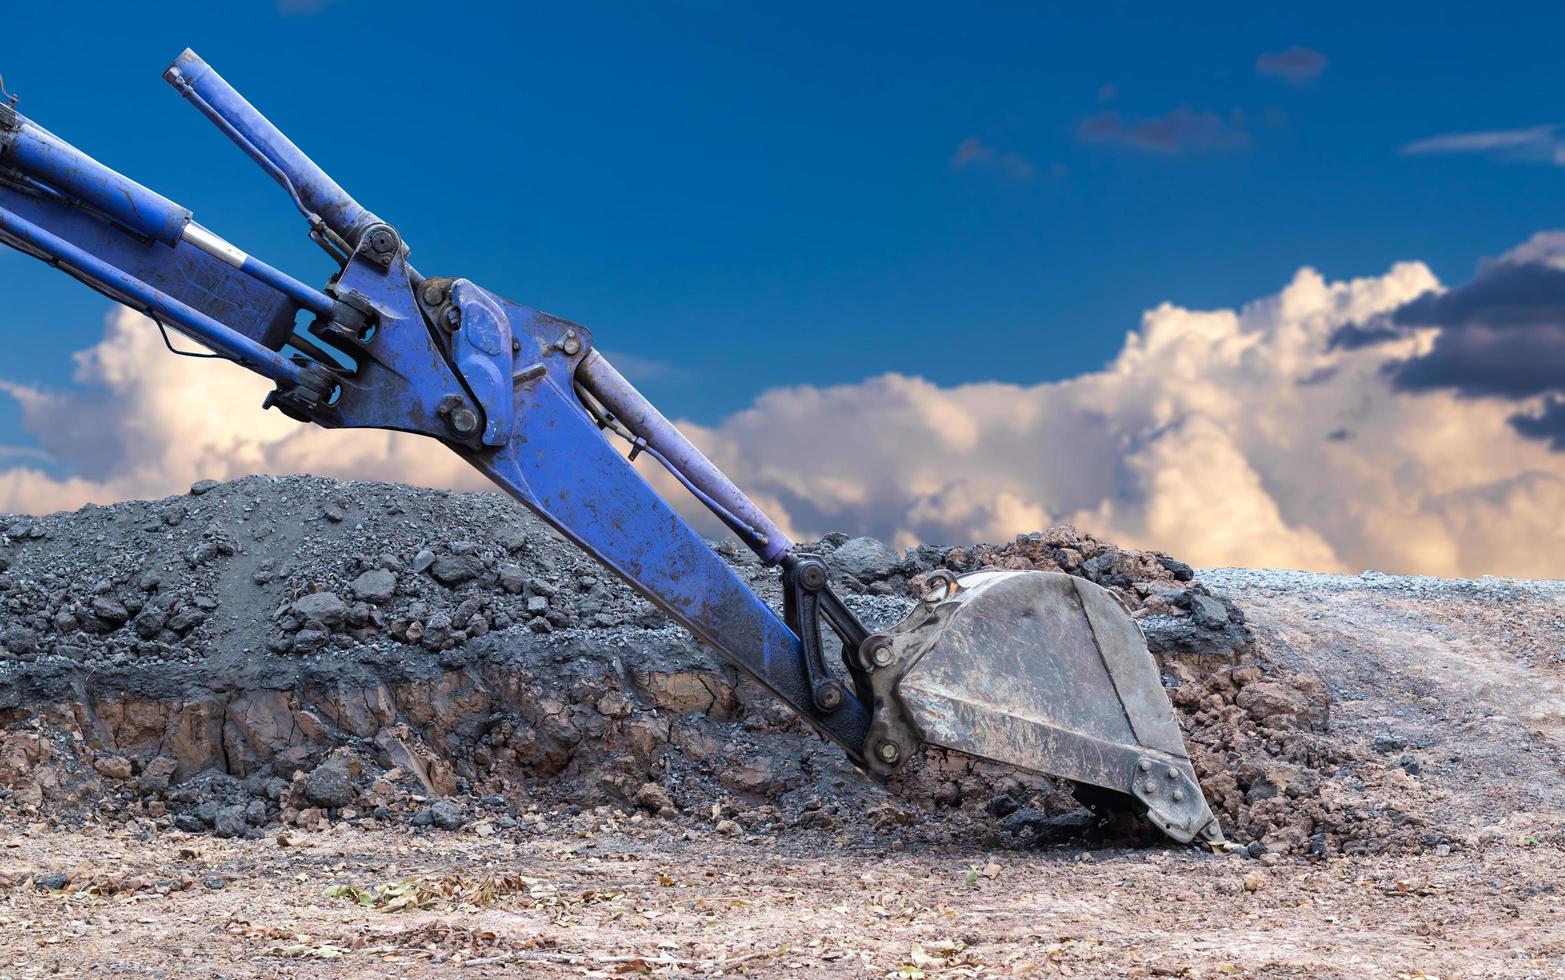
(1470, 676)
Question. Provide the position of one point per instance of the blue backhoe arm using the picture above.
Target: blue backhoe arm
(521, 395)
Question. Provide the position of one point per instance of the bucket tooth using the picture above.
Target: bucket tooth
(1043, 671)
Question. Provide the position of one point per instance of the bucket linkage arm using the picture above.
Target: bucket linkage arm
(527, 400)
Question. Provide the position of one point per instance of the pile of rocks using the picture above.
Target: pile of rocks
(283, 651)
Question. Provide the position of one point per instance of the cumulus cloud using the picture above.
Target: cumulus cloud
(142, 423)
(1231, 436)
(1181, 130)
(974, 154)
(1295, 65)
(1225, 436)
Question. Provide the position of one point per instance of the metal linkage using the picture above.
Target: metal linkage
(319, 198)
(808, 602)
(620, 397)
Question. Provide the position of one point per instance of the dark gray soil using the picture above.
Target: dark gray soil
(293, 651)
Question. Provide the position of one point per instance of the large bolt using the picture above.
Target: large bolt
(828, 695)
(888, 751)
(433, 294)
(812, 575)
(1171, 773)
(881, 655)
(463, 421)
(570, 343)
(1179, 795)
(1144, 766)
(382, 240)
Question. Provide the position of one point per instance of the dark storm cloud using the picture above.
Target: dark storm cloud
(1352, 336)
(1548, 424)
(1296, 64)
(1501, 334)
(1181, 130)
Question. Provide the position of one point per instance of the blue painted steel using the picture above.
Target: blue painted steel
(41, 155)
(313, 191)
(184, 272)
(402, 377)
(559, 464)
(310, 299)
(538, 442)
(193, 323)
(481, 348)
(619, 396)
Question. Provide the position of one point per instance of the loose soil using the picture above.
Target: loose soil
(302, 727)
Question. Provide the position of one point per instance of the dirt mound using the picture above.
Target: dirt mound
(294, 651)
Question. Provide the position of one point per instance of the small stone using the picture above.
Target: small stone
(727, 827)
(309, 640)
(1253, 880)
(1002, 805)
(186, 620)
(111, 611)
(155, 775)
(1207, 612)
(330, 786)
(112, 766)
(423, 560)
(614, 705)
(446, 815)
(1180, 571)
(230, 822)
(20, 640)
(333, 512)
(1387, 744)
(325, 608)
(203, 486)
(865, 559)
(512, 579)
(452, 569)
(537, 605)
(511, 537)
(189, 823)
(654, 798)
(51, 882)
(377, 585)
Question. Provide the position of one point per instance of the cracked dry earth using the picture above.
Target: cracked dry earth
(1416, 833)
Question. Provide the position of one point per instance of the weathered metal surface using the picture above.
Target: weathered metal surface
(1046, 672)
(617, 394)
(313, 191)
(559, 464)
(1041, 671)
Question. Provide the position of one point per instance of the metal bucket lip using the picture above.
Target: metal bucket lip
(1108, 649)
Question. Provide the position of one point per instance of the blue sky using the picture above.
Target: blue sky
(736, 197)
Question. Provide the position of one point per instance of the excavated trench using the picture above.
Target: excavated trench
(277, 652)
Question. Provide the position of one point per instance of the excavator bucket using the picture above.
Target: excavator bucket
(1046, 672)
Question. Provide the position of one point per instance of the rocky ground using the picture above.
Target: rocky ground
(281, 722)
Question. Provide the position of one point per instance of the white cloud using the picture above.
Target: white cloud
(1222, 437)
(1534, 144)
(144, 423)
